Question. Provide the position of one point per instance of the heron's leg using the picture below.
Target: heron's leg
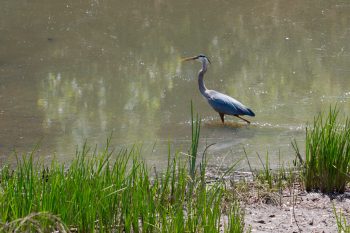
(242, 119)
(222, 117)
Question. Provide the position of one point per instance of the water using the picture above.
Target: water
(75, 71)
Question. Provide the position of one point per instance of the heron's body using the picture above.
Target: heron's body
(223, 104)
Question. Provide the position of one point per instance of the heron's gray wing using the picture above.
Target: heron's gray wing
(225, 104)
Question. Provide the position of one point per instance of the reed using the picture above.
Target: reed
(327, 157)
(114, 192)
(342, 224)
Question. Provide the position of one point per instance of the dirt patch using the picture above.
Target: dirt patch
(311, 212)
(289, 210)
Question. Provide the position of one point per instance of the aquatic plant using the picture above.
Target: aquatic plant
(35, 222)
(327, 157)
(342, 225)
(115, 192)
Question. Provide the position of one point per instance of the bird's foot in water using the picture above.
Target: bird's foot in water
(242, 119)
(227, 124)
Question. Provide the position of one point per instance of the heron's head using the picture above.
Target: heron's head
(201, 58)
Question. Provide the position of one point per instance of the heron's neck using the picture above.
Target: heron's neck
(201, 84)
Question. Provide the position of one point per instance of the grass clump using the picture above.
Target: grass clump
(342, 225)
(266, 185)
(109, 192)
(327, 156)
(36, 222)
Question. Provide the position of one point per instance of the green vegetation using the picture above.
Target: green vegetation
(107, 191)
(267, 185)
(327, 157)
(343, 227)
(36, 222)
(95, 193)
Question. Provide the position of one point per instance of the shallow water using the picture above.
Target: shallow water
(76, 71)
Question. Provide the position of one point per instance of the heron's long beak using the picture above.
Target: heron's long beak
(189, 58)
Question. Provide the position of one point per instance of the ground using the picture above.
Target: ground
(311, 212)
(290, 209)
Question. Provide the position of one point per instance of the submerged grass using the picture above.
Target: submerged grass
(95, 193)
(327, 156)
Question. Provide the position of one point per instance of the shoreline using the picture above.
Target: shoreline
(290, 209)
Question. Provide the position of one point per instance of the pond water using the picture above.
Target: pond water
(72, 71)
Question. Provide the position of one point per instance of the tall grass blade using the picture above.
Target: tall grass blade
(327, 156)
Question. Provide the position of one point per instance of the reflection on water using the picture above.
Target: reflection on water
(73, 71)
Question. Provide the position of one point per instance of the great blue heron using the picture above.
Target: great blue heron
(223, 104)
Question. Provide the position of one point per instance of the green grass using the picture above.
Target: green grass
(327, 156)
(36, 222)
(343, 227)
(267, 184)
(115, 192)
(110, 191)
